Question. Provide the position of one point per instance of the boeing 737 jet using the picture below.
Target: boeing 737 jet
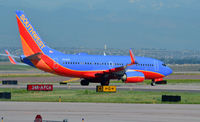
(90, 68)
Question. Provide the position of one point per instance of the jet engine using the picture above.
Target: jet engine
(133, 77)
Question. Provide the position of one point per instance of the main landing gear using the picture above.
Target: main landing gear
(153, 83)
(85, 82)
(103, 82)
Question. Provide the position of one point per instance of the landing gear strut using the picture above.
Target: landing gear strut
(105, 83)
(153, 83)
(84, 82)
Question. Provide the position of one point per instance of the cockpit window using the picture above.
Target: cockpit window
(164, 65)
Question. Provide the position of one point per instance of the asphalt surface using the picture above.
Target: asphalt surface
(61, 78)
(99, 112)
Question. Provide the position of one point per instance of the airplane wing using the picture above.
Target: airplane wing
(119, 69)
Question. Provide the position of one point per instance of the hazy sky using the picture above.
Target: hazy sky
(170, 24)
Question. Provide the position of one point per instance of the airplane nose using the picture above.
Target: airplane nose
(169, 71)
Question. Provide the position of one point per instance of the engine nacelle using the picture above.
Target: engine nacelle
(133, 77)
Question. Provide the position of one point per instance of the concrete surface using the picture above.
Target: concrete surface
(99, 112)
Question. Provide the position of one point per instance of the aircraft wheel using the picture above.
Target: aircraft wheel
(84, 82)
(153, 83)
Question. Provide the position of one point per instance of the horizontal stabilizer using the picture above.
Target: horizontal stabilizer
(122, 68)
(11, 58)
(36, 56)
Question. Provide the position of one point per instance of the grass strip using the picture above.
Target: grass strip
(15, 67)
(92, 96)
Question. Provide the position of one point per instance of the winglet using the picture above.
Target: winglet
(12, 60)
(132, 57)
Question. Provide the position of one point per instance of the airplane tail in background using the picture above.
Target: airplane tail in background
(11, 59)
(30, 39)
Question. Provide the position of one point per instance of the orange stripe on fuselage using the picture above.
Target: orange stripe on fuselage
(42, 65)
(61, 70)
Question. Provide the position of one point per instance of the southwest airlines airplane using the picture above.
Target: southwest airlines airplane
(90, 68)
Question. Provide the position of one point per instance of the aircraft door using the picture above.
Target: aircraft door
(156, 66)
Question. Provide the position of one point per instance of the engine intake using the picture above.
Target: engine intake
(133, 77)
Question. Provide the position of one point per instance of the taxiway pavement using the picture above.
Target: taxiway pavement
(99, 112)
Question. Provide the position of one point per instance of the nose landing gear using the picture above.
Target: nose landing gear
(158, 81)
(103, 82)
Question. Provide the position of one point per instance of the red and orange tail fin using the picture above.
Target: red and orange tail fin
(31, 41)
(12, 60)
